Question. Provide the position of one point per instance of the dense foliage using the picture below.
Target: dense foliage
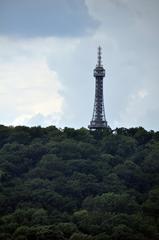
(59, 184)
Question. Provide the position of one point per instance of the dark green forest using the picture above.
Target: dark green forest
(60, 184)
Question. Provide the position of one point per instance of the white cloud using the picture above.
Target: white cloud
(38, 120)
(142, 93)
(28, 87)
(135, 110)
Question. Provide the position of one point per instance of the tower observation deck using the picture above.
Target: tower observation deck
(98, 120)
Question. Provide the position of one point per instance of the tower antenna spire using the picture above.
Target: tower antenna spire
(99, 56)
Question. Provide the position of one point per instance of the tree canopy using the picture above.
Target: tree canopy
(67, 184)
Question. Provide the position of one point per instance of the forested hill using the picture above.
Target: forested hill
(60, 184)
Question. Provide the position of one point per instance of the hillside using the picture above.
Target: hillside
(75, 184)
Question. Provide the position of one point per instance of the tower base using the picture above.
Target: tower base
(97, 125)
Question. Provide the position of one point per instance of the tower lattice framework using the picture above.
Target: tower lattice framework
(98, 120)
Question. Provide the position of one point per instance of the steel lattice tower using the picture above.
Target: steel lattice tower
(98, 120)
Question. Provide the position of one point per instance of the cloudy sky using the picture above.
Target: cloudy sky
(48, 52)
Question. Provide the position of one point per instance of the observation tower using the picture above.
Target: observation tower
(98, 119)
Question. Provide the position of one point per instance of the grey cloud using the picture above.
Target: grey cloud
(32, 18)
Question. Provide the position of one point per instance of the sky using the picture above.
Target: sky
(48, 50)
